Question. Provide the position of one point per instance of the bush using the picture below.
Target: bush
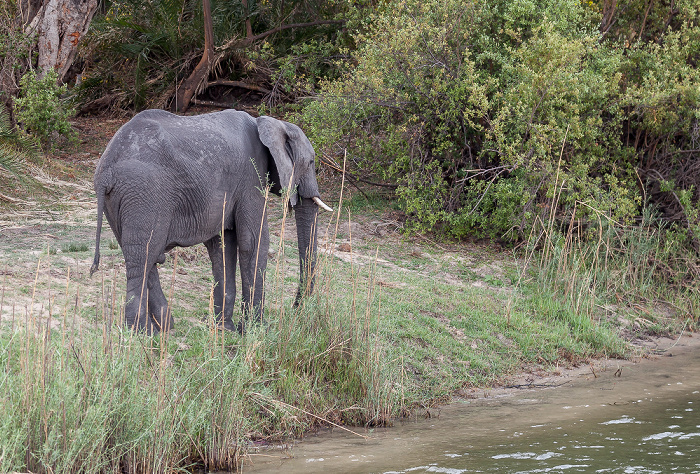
(15, 150)
(140, 51)
(40, 110)
(482, 113)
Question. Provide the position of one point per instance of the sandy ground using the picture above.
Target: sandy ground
(648, 350)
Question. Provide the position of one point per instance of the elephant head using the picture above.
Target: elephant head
(294, 175)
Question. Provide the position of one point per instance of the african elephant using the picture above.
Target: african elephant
(166, 180)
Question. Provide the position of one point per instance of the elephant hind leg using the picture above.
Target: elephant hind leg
(158, 307)
(139, 268)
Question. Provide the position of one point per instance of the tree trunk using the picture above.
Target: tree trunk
(194, 82)
(248, 25)
(201, 72)
(60, 25)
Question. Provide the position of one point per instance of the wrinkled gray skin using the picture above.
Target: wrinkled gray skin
(162, 182)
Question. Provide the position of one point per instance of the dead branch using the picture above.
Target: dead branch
(241, 84)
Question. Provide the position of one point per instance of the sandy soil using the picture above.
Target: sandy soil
(647, 350)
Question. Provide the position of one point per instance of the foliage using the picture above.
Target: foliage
(15, 51)
(97, 398)
(136, 48)
(138, 52)
(15, 149)
(482, 112)
(40, 109)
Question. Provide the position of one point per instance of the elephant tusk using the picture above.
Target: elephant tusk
(322, 204)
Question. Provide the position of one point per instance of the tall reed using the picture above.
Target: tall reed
(602, 269)
(80, 392)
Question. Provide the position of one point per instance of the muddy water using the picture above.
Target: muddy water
(643, 418)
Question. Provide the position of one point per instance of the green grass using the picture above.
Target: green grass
(73, 247)
(90, 396)
(404, 324)
(616, 274)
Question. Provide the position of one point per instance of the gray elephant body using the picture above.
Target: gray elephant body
(166, 180)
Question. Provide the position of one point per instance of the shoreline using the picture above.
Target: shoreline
(650, 349)
(596, 388)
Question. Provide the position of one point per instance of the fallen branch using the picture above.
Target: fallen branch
(320, 418)
(537, 385)
(10, 199)
(241, 84)
(193, 84)
(212, 103)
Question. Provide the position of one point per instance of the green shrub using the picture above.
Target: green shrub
(484, 112)
(40, 110)
(15, 149)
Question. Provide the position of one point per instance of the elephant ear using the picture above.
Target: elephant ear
(280, 140)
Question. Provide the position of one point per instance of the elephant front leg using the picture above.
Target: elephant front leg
(252, 252)
(223, 265)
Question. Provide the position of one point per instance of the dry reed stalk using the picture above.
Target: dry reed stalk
(311, 275)
(36, 281)
(114, 293)
(375, 362)
(353, 276)
(529, 256)
(370, 297)
(106, 330)
(555, 198)
(223, 257)
(2, 296)
(257, 253)
(279, 278)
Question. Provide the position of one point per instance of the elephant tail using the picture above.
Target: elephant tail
(101, 188)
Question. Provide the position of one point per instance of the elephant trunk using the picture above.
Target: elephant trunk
(305, 213)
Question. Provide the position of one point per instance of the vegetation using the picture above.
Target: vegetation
(478, 111)
(83, 394)
(141, 51)
(565, 131)
(15, 150)
(95, 400)
(40, 111)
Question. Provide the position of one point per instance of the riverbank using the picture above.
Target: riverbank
(399, 323)
(514, 423)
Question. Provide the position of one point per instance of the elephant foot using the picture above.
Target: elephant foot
(166, 324)
(249, 321)
(239, 327)
(148, 329)
(228, 325)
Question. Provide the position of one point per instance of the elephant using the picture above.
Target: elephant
(168, 181)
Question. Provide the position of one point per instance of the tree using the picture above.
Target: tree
(188, 88)
(197, 79)
(60, 25)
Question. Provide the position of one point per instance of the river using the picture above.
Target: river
(640, 416)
